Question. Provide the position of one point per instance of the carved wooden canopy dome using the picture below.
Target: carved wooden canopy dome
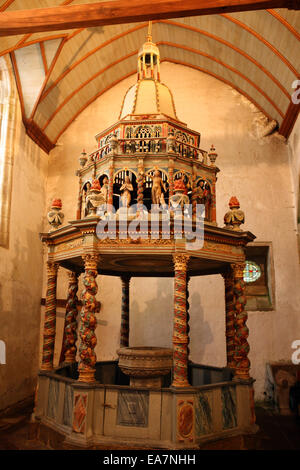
(148, 96)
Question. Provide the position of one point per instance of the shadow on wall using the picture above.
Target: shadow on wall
(201, 333)
(151, 320)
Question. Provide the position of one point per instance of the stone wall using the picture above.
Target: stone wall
(254, 169)
(21, 270)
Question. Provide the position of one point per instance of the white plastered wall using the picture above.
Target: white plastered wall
(21, 269)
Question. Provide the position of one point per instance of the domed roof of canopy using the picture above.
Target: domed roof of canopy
(148, 96)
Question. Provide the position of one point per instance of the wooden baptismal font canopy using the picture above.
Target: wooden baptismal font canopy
(138, 214)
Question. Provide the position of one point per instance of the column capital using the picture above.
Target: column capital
(52, 268)
(91, 261)
(125, 278)
(238, 269)
(73, 276)
(180, 261)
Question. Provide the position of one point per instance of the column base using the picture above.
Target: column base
(245, 377)
(47, 367)
(87, 375)
(180, 384)
(69, 358)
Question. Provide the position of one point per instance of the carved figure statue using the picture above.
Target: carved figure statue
(180, 197)
(55, 216)
(104, 188)
(94, 198)
(202, 192)
(235, 217)
(126, 189)
(203, 196)
(85, 193)
(157, 186)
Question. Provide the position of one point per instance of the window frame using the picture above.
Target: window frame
(252, 251)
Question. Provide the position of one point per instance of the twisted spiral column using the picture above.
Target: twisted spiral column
(213, 211)
(110, 187)
(124, 334)
(50, 317)
(88, 321)
(140, 184)
(171, 178)
(180, 332)
(70, 330)
(188, 314)
(242, 363)
(194, 193)
(230, 317)
(79, 199)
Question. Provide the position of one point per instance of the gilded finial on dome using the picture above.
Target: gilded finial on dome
(149, 36)
(148, 58)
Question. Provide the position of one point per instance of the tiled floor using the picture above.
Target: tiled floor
(276, 433)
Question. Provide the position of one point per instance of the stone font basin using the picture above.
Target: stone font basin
(145, 366)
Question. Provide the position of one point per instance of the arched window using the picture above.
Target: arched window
(7, 128)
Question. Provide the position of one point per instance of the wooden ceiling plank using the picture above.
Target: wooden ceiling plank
(232, 46)
(161, 43)
(229, 67)
(6, 5)
(122, 11)
(82, 85)
(174, 23)
(227, 82)
(263, 40)
(93, 98)
(48, 76)
(285, 23)
(88, 54)
(18, 82)
(42, 47)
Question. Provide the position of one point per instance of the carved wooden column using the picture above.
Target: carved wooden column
(124, 334)
(171, 177)
(110, 200)
(194, 192)
(79, 200)
(213, 210)
(188, 313)
(242, 363)
(140, 184)
(68, 353)
(50, 317)
(88, 321)
(230, 317)
(180, 335)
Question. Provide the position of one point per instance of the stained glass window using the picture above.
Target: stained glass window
(252, 272)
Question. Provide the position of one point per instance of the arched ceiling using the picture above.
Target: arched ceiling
(60, 73)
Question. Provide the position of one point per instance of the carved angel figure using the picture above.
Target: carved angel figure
(234, 217)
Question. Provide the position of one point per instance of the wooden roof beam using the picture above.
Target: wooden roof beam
(121, 11)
